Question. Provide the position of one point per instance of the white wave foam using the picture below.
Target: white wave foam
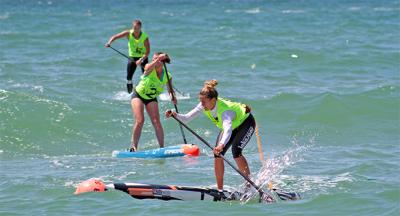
(292, 11)
(220, 28)
(4, 16)
(354, 8)
(64, 106)
(70, 184)
(122, 96)
(111, 178)
(3, 94)
(253, 11)
(38, 88)
(383, 9)
(7, 32)
(167, 13)
(124, 176)
(57, 163)
(55, 107)
(165, 96)
(88, 13)
(88, 167)
(321, 184)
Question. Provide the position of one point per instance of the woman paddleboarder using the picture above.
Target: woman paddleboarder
(235, 121)
(139, 49)
(145, 94)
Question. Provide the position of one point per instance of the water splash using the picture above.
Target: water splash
(273, 167)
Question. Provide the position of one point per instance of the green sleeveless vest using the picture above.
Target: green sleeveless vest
(136, 46)
(224, 105)
(150, 86)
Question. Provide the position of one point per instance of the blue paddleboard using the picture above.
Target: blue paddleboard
(169, 151)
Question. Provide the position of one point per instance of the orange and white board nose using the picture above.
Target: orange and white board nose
(90, 185)
(191, 150)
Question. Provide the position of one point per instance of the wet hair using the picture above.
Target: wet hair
(137, 22)
(209, 90)
(167, 60)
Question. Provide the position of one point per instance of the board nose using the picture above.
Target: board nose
(191, 150)
(90, 185)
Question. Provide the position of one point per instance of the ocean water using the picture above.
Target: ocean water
(322, 78)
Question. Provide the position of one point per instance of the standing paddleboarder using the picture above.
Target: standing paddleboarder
(145, 94)
(139, 49)
(235, 121)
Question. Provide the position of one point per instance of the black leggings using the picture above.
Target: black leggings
(131, 67)
(239, 138)
(145, 101)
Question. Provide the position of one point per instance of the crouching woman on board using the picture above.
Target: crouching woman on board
(235, 121)
(145, 94)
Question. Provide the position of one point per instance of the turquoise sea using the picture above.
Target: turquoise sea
(322, 77)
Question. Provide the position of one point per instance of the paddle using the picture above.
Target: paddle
(173, 96)
(267, 197)
(121, 53)
(132, 60)
(259, 145)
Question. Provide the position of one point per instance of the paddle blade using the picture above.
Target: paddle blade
(287, 195)
(90, 185)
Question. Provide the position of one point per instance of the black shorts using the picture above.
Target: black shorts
(131, 67)
(239, 138)
(145, 101)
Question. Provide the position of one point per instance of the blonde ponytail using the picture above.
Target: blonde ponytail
(211, 83)
(209, 89)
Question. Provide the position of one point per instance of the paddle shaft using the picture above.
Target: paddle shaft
(259, 144)
(121, 53)
(173, 96)
(227, 161)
